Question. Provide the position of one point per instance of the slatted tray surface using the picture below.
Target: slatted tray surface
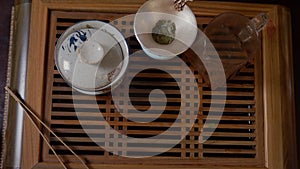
(237, 140)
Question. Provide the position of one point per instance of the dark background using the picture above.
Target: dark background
(294, 5)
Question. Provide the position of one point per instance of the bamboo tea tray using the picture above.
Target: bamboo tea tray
(256, 130)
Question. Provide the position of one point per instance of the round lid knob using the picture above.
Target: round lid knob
(91, 52)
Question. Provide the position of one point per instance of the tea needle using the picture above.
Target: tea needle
(29, 112)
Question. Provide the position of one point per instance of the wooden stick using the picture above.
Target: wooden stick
(28, 111)
(47, 142)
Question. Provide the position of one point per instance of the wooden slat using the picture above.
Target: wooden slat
(247, 102)
(237, 118)
(152, 124)
(139, 115)
(236, 110)
(228, 93)
(217, 142)
(51, 165)
(154, 132)
(130, 149)
(229, 134)
(229, 151)
(137, 132)
(131, 141)
(235, 86)
(86, 106)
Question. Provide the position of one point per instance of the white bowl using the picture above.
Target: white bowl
(95, 74)
(150, 13)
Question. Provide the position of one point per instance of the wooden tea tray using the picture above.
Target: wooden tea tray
(255, 131)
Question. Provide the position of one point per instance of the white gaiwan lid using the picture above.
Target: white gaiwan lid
(90, 58)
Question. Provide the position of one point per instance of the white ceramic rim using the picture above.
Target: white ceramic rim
(193, 23)
(115, 33)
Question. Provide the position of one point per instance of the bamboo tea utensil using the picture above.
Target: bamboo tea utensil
(29, 113)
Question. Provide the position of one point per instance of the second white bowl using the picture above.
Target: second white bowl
(150, 13)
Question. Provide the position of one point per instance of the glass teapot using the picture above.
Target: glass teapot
(235, 38)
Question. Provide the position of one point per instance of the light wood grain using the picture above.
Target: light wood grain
(35, 83)
(278, 84)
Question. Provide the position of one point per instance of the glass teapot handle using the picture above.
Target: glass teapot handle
(253, 27)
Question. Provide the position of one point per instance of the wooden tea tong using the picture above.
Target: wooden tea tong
(29, 113)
